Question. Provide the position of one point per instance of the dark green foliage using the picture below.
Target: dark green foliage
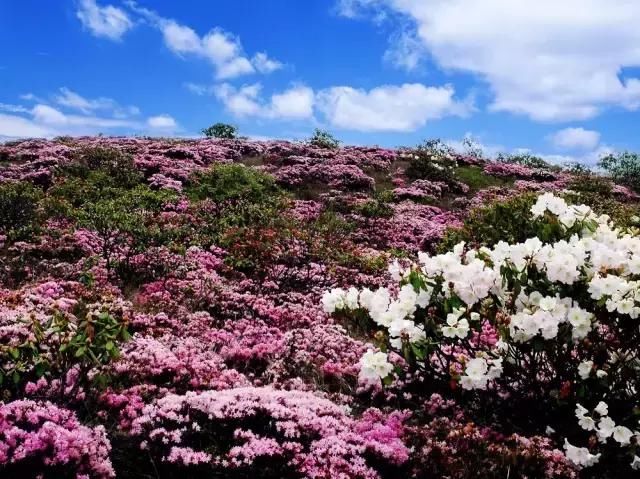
(234, 196)
(577, 169)
(509, 220)
(324, 139)
(525, 159)
(377, 207)
(591, 183)
(125, 222)
(19, 212)
(115, 167)
(232, 182)
(221, 130)
(53, 348)
(623, 168)
(434, 161)
(501, 221)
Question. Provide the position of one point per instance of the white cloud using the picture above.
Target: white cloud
(76, 115)
(550, 60)
(108, 21)
(222, 49)
(196, 88)
(406, 51)
(575, 139)
(13, 108)
(388, 108)
(13, 126)
(162, 122)
(296, 102)
(75, 101)
(293, 103)
(50, 116)
(264, 64)
(243, 101)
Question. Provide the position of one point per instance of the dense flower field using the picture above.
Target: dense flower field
(233, 308)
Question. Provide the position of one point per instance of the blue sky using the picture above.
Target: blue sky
(510, 73)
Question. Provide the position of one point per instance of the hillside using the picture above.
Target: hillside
(169, 308)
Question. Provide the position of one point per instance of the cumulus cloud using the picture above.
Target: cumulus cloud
(162, 122)
(72, 114)
(70, 99)
(386, 108)
(389, 108)
(294, 103)
(576, 139)
(222, 49)
(548, 60)
(264, 64)
(108, 21)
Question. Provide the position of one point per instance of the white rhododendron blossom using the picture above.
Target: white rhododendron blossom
(479, 371)
(580, 456)
(498, 318)
(374, 366)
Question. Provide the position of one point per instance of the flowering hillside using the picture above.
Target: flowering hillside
(243, 309)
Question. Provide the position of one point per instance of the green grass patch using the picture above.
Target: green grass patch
(477, 179)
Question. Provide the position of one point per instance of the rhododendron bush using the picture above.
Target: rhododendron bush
(548, 326)
(237, 308)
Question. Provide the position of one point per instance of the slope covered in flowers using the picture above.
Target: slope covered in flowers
(232, 308)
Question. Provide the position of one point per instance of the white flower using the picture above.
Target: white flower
(584, 369)
(333, 300)
(622, 435)
(405, 329)
(635, 464)
(374, 366)
(601, 373)
(455, 327)
(478, 372)
(580, 456)
(605, 428)
(602, 408)
(547, 303)
(351, 299)
(396, 270)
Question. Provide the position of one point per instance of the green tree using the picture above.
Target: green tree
(324, 139)
(221, 130)
(623, 168)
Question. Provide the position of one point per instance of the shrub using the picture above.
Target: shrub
(40, 439)
(221, 130)
(524, 159)
(324, 139)
(114, 167)
(432, 161)
(233, 182)
(19, 209)
(623, 168)
(590, 183)
(500, 221)
(62, 349)
(548, 326)
(377, 207)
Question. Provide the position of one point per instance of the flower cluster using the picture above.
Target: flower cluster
(574, 282)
